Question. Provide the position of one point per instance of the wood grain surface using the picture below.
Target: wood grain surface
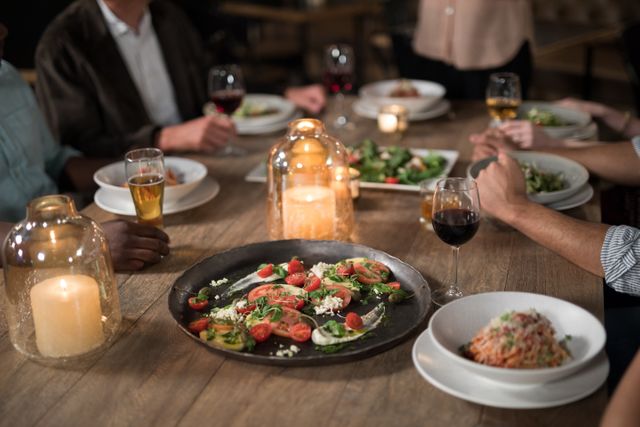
(154, 375)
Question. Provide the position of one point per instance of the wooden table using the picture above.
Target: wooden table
(154, 375)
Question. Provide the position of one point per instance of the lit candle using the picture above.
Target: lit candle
(67, 315)
(387, 122)
(309, 212)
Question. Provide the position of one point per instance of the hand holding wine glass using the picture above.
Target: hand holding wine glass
(455, 219)
(503, 97)
(338, 77)
(226, 89)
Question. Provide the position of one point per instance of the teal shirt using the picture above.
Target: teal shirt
(30, 160)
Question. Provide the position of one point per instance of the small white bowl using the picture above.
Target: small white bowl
(574, 174)
(378, 93)
(456, 323)
(575, 121)
(112, 178)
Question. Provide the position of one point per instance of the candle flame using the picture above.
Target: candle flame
(52, 236)
(63, 285)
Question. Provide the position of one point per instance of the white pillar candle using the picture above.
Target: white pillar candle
(309, 212)
(67, 315)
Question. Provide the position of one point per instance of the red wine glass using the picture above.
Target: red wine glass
(455, 218)
(338, 77)
(226, 90)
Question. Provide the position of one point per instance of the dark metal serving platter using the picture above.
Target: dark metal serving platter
(236, 263)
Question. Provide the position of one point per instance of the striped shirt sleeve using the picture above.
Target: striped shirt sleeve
(620, 257)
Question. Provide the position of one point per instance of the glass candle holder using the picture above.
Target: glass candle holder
(309, 194)
(59, 295)
(393, 119)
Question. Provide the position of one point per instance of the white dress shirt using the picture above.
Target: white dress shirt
(144, 60)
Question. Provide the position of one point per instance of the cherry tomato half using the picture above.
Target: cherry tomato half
(394, 285)
(391, 180)
(296, 279)
(246, 309)
(345, 270)
(295, 266)
(199, 325)
(300, 332)
(261, 332)
(312, 283)
(198, 304)
(354, 321)
(266, 271)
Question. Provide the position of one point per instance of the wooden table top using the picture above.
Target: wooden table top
(154, 375)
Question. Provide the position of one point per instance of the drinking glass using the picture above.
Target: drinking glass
(144, 169)
(503, 97)
(455, 219)
(427, 189)
(226, 90)
(338, 77)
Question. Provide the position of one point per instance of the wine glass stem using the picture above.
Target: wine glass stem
(454, 282)
(340, 104)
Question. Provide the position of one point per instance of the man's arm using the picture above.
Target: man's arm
(617, 162)
(623, 409)
(503, 195)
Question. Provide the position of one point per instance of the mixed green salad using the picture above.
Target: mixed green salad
(544, 118)
(393, 164)
(254, 109)
(541, 182)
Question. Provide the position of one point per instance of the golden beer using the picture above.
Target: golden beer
(502, 109)
(147, 192)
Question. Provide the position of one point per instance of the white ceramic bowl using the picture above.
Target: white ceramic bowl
(574, 174)
(378, 94)
(456, 323)
(575, 120)
(112, 177)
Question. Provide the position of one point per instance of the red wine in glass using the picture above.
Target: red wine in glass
(227, 101)
(456, 226)
(338, 81)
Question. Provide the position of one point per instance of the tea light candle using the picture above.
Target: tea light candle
(354, 183)
(393, 118)
(309, 212)
(67, 315)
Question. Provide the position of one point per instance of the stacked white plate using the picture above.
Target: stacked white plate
(575, 124)
(428, 104)
(577, 189)
(272, 113)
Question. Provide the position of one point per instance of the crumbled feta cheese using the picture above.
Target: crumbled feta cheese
(288, 352)
(385, 155)
(329, 304)
(241, 304)
(216, 297)
(320, 268)
(214, 283)
(228, 313)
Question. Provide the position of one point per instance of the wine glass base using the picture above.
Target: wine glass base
(444, 296)
(231, 151)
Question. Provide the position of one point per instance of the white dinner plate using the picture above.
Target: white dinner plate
(370, 111)
(206, 190)
(449, 377)
(259, 173)
(578, 199)
(575, 120)
(268, 128)
(282, 110)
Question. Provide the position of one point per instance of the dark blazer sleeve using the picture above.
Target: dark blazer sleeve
(70, 103)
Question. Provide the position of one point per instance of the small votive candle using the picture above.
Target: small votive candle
(354, 183)
(393, 118)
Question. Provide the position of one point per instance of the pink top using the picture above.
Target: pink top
(473, 34)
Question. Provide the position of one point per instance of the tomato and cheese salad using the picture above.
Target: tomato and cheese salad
(517, 339)
(292, 301)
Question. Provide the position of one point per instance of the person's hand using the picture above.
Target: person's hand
(311, 98)
(526, 134)
(489, 142)
(133, 245)
(502, 187)
(595, 109)
(205, 134)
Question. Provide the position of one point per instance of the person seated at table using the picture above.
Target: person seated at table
(113, 75)
(31, 163)
(459, 44)
(623, 409)
(612, 252)
(527, 135)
